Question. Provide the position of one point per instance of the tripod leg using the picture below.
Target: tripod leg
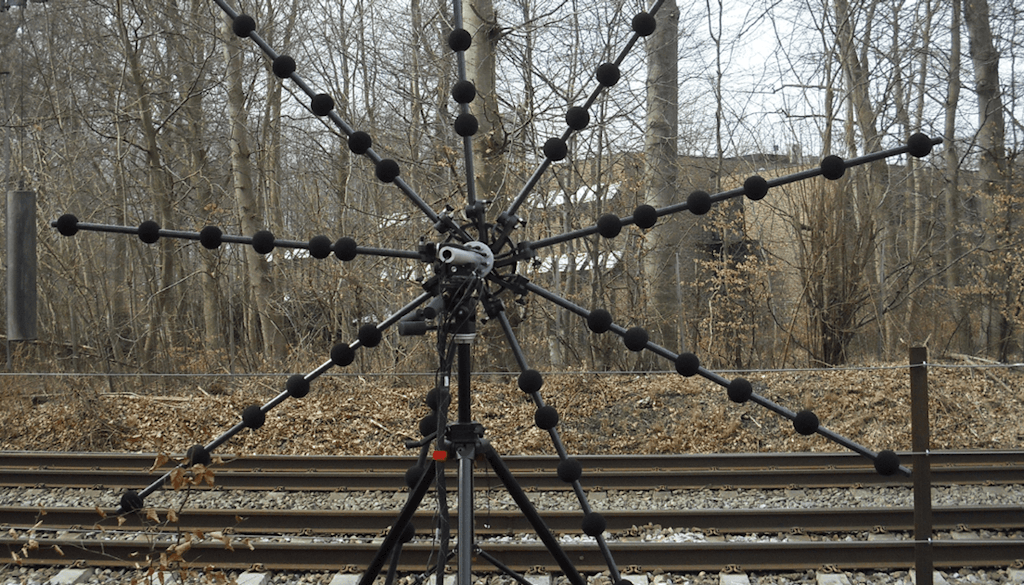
(466, 514)
(542, 530)
(388, 546)
(502, 566)
(393, 568)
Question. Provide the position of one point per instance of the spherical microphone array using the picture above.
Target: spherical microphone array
(491, 241)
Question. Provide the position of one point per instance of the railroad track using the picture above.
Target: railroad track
(531, 556)
(507, 522)
(284, 540)
(300, 473)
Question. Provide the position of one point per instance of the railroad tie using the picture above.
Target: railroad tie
(733, 579)
(71, 577)
(832, 579)
(253, 578)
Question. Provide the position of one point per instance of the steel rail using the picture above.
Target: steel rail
(600, 479)
(646, 556)
(89, 460)
(498, 522)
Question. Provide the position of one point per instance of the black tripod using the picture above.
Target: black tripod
(459, 287)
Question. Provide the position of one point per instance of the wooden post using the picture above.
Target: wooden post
(21, 265)
(920, 434)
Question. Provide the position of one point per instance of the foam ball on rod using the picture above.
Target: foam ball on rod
(387, 170)
(635, 338)
(342, 355)
(433, 398)
(806, 422)
(755, 187)
(698, 202)
(359, 142)
(198, 455)
(428, 424)
(463, 92)
(687, 364)
(460, 40)
(408, 533)
(556, 149)
(570, 470)
(320, 247)
(594, 524)
(644, 24)
(577, 118)
(609, 225)
(546, 418)
(887, 462)
(920, 145)
(413, 475)
(645, 216)
(211, 237)
(149, 231)
(321, 104)
(530, 381)
(345, 249)
(284, 66)
(466, 125)
(297, 386)
(67, 225)
(131, 501)
(832, 167)
(599, 321)
(608, 74)
(243, 25)
(740, 390)
(263, 242)
(253, 416)
(369, 335)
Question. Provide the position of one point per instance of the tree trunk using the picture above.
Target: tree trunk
(674, 239)
(991, 166)
(489, 143)
(250, 214)
(951, 192)
(160, 188)
(192, 82)
(873, 231)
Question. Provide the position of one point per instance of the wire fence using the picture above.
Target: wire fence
(228, 375)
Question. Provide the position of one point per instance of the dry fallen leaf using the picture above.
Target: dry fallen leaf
(177, 477)
(161, 459)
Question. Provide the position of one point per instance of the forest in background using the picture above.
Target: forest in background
(125, 111)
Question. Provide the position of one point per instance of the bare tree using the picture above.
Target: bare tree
(992, 169)
(671, 249)
(251, 216)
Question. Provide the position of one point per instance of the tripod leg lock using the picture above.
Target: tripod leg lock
(464, 433)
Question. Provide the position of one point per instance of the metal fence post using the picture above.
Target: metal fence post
(21, 266)
(920, 433)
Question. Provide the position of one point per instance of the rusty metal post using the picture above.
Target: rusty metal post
(920, 433)
(21, 265)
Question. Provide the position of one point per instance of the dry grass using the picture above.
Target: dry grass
(600, 414)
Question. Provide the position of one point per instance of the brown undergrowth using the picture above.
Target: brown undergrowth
(971, 408)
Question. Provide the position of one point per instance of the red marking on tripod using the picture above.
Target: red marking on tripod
(440, 455)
